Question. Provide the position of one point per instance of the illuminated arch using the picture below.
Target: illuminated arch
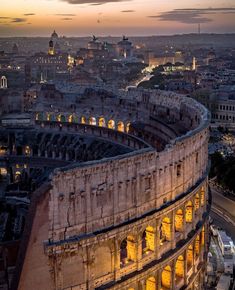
(92, 121)
(148, 240)
(50, 117)
(197, 202)
(61, 118)
(165, 233)
(179, 220)
(189, 212)
(101, 122)
(71, 119)
(151, 283)
(127, 251)
(83, 120)
(197, 246)
(179, 267)
(166, 277)
(120, 126)
(3, 83)
(111, 124)
(189, 257)
(128, 127)
(39, 116)
(203, 236)
(202, 196)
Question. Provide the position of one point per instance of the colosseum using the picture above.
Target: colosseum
(123, 201)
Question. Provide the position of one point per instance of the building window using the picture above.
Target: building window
(178, 170)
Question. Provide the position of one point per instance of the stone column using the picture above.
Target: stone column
(117, 261)
(185, 268)
(157, 240)
(173, 230)
(173, 275)
(139, 252)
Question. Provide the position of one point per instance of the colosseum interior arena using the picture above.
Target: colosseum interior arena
(122, 199)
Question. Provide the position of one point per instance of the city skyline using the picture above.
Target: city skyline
(115, 17)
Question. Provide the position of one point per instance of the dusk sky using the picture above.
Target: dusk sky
(115, 17)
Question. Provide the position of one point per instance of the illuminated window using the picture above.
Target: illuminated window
(166, 277)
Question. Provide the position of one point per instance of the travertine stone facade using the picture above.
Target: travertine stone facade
(136, 220)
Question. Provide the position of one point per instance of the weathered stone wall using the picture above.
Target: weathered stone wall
(134, 220)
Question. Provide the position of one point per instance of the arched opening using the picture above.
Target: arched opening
(92, 121)
(202, 196)
(102, 122)
(71, 119)
(179, 269)
(49, 117)
(179, 220)
(203, 236)
(17, 176)
(189, 255)
(128, 127)
(165, 231)
(127, 251)
(3, 82)
(197, 246)
(120, 126)
(189, 212)
(197, 202)
(61, 118)
(39, 117)
(166, 277)
(27, 150)
(83, 120)
(148, 241)
(151, 284)
(111, 124)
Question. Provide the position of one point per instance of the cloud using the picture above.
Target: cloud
(29, 14)
(192, 15)
(65, 14)
(93, 2)
(127, 11)
(66, 19)
(18, 20)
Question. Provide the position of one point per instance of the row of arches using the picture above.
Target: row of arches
(155, 238)
(176, 273)
(100, 121)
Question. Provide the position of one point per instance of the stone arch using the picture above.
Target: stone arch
(39, 116)
(179, 220)
(197, 246)
(128, 127)
(165, 230)
(83, 120)
(3, 82)
(179, 267)
(61, 118)
(166, 277)
(127, 251)
(71, 118)
(101, 122)
(92, 121)
(203, 236)
(197, 202)
(120, 126)
(148, 240)
(151, 283)
(49, 117)
(202, 196)
(189, 256)
(111, 124)
(189, 212)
